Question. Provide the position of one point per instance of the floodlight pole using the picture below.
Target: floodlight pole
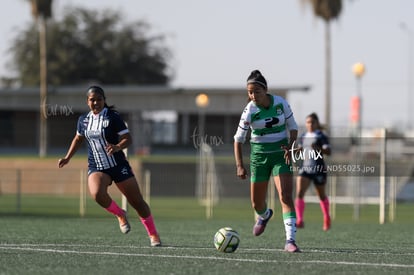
(383, 169)
(202, 102)
(358, 69)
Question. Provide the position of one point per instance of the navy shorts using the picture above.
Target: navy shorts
(317, 178)
(118, 173)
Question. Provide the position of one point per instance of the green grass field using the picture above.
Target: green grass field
(49, 237)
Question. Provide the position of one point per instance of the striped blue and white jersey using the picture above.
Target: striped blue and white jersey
(313, 160)
(100, 130)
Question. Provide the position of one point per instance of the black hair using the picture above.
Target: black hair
(315, 117)
(100, 91)
(256, 77)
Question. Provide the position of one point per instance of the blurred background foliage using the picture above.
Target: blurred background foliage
(91, 46)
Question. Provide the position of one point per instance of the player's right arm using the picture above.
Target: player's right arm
(241, 171)
(74, 146)
(239, 139)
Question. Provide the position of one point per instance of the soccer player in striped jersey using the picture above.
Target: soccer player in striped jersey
(273, 132)
(314, 145)
(107, 135)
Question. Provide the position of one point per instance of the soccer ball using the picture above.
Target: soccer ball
(226, 240)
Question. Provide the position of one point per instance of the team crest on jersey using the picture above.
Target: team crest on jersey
(105, 123)
(279, 111)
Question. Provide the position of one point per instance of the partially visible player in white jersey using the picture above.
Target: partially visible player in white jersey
(273, 133)
(107, 135)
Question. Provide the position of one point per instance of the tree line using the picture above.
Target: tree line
(91, 46)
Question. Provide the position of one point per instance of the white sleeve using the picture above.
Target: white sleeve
(243, 128)
(290, 119)
(291, 123)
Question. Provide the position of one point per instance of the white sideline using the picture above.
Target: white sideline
(35, 248)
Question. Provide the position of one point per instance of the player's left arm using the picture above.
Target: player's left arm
(292, 127)
(322, 144)
(326, 147)
(124, 141)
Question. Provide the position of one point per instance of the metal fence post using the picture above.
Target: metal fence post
(18, 191)
(82, 193)
(147, 186)
(393, 198)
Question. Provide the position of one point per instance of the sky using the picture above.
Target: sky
(217, 43)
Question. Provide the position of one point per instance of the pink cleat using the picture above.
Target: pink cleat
(155, 240)
(291, 247)
(123, 223)
(260, 225)
(327, 224)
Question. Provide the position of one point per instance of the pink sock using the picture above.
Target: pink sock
(300, 208)
(325, 207)
(115, 209)
(149, 225)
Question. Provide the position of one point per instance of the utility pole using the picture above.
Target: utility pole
(41, 11)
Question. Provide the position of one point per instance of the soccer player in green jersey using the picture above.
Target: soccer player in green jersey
(273, 132)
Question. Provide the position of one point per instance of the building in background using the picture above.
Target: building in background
(159, 117)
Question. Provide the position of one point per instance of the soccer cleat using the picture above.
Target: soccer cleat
(124, 224)
(291, 246)
(155, 240)
(260, 224)
(327, 224)
(300, 224)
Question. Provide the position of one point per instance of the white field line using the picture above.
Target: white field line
(35, 248)
(327, 251)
